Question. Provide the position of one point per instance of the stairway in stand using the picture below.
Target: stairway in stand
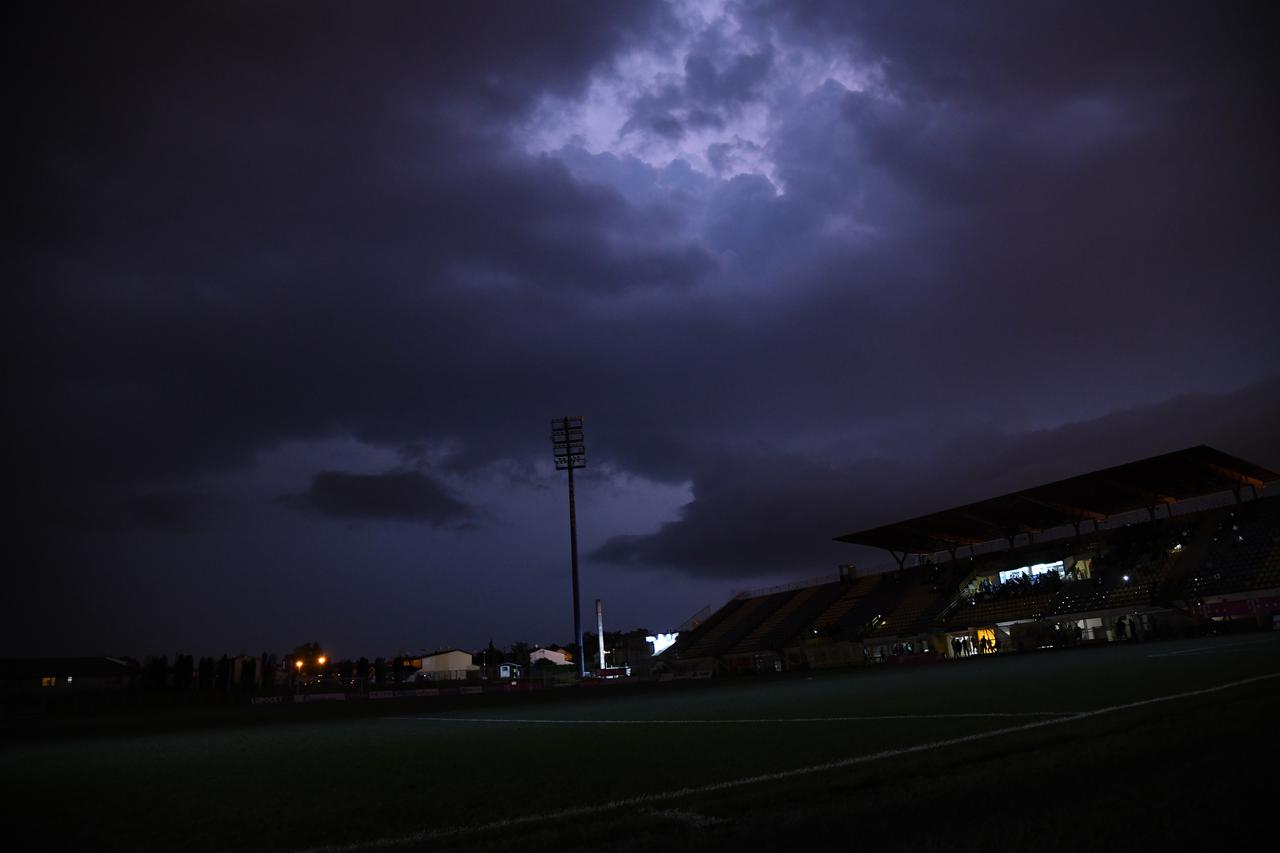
(749, 642)
(706, 645)
(842, 605)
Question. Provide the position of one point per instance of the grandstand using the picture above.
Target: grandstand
(927, 592)
(800, 609)
(1148, 548)
(1244, 553)
(850, 598)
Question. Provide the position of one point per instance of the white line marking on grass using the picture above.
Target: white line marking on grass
(697, 821)
(870, 718)
(647, 800)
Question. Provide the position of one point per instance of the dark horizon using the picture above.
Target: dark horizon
(298, 289)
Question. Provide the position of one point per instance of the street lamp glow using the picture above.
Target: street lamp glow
(298, 664)
(320, 660)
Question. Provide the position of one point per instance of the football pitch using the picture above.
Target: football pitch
(1154, 745)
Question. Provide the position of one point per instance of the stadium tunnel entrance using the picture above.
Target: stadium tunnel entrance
(973, 641)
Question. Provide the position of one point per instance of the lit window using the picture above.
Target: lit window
(48, 681)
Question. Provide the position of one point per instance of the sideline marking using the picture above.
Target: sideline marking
(519, 721)
(663, 796)
(697, 821)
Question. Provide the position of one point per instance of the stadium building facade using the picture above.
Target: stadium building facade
(1148, 549)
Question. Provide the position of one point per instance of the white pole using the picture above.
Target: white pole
(600, 629)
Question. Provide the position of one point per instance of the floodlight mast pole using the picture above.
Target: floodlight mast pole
(600, 629)
(569, 451)
(573, 553)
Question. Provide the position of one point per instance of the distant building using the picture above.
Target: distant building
(549, 655)
(63, 675)
(448, 665)
(510, 670)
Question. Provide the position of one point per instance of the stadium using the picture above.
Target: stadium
(1086, 663)
(923, 355)
(1149, 549)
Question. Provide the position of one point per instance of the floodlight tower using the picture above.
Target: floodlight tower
(600, 629)
(569, 450)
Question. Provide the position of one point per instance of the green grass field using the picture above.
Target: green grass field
(673, 769)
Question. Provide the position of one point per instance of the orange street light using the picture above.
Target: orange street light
(320, 660)
(298, 664)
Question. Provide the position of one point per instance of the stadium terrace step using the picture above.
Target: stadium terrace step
(1195, 536)
(1244, 554)
(726, 631)
(785, 622)
(1137, 592)
(748, 642)
(855, 593)
(929, 618)
(688, 639)
(909, 610)
(1000, 610)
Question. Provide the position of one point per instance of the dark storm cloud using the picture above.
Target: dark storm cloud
(253, 225)
(1069, 216)
(774, 515)
(284, 263)
(716, 83)
(995, 49)
(739, 80)
(262, 223)
(394, 496)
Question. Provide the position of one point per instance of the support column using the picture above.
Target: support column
(573, 550)
(600, 629)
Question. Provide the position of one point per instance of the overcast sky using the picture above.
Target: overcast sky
(298, 286)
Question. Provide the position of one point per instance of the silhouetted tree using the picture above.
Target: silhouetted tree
(397, 669)
(183, 665)
(156, 673)
(248, 674)
(519, 654)
(308, 653)
(492, 657)
(206, 673)
(269, 668)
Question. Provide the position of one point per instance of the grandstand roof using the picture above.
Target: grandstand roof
(1165, 479)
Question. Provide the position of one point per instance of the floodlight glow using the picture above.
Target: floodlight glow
(662, 642)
